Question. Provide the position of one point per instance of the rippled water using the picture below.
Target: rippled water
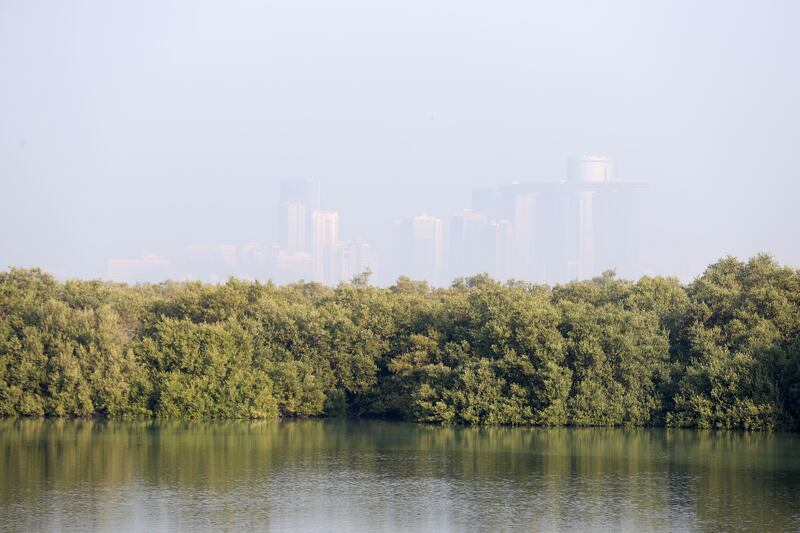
(331, 475)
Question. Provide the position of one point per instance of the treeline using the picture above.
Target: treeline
(722, 352)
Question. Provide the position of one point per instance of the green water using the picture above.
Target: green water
(330, 475)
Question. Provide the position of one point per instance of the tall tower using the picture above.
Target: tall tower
(583, 174)
(325, 239)
(417, 245)
(469, 244)
(292, 227)
(299, 199)
(427, 248)
(568, 229)
(479, 244)
(524, 207)
(354, 258)
(504, 247)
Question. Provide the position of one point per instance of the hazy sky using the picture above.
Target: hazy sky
(153, 125)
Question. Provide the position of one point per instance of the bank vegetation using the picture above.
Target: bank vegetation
(720, 352)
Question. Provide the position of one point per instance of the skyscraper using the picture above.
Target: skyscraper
(299, 200)
(292, 227)
(325, 238)
(417, 245)
(565, 230)
(292, 257)
(524, 210)
(353, 258)
(516, 204)
(502, 247)
(469, 244)
(583, 176)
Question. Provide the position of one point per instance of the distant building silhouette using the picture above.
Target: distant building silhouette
(542, 232)
(567, 229)
(325, 236)
(353, 258)
(478, 244)
(417, 248)
(502, 249)
(290, 267)
(309, 245)
(292, 256)
(299, 200)
(469, 244)
(212, 262)
(292, 227)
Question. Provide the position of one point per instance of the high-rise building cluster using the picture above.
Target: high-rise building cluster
(309, 246)
(552, 231)
(543, 232)
(546, 232)
(417, 248)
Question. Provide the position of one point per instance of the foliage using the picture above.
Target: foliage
(721, 352)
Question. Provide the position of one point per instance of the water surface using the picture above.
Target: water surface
(85, 475)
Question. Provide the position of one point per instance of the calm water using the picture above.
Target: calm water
(318, 475)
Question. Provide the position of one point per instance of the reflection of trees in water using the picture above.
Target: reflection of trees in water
(550, 477)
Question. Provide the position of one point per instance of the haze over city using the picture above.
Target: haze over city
(163, 131)
(363, 265)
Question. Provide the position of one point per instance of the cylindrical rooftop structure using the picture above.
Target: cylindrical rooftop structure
(590, 169)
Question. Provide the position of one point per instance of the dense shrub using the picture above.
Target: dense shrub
(722, 352)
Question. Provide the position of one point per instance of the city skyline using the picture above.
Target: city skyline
(539, 232)
(139, 130)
